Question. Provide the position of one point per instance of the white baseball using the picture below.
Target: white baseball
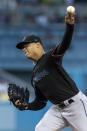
(71, 9)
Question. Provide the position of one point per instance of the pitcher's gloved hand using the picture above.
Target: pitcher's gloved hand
(18, 96)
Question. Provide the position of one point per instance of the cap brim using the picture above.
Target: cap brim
(21, 45)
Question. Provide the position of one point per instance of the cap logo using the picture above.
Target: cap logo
(35, 40)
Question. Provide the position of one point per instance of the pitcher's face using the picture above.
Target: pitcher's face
(32, 50)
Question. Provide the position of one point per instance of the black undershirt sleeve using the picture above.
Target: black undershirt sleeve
(64, 45)
(39, 102)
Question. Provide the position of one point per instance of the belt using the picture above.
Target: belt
(65, 103)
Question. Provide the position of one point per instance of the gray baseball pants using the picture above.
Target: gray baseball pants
(74, 115)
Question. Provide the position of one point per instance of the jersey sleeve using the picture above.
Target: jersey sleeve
(64, 45)
(39, 102)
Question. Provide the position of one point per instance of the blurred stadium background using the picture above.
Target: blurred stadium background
(44, 18)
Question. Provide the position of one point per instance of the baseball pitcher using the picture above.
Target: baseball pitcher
(51, 82)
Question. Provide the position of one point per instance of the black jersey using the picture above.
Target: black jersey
(49, 79)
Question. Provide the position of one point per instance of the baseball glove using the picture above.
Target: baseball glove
(18, 96)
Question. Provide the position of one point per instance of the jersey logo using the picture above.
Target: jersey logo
(39, 75)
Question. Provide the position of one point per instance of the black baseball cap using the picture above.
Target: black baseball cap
(27, 40)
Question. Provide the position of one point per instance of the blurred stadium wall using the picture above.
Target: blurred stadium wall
(44, 18)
